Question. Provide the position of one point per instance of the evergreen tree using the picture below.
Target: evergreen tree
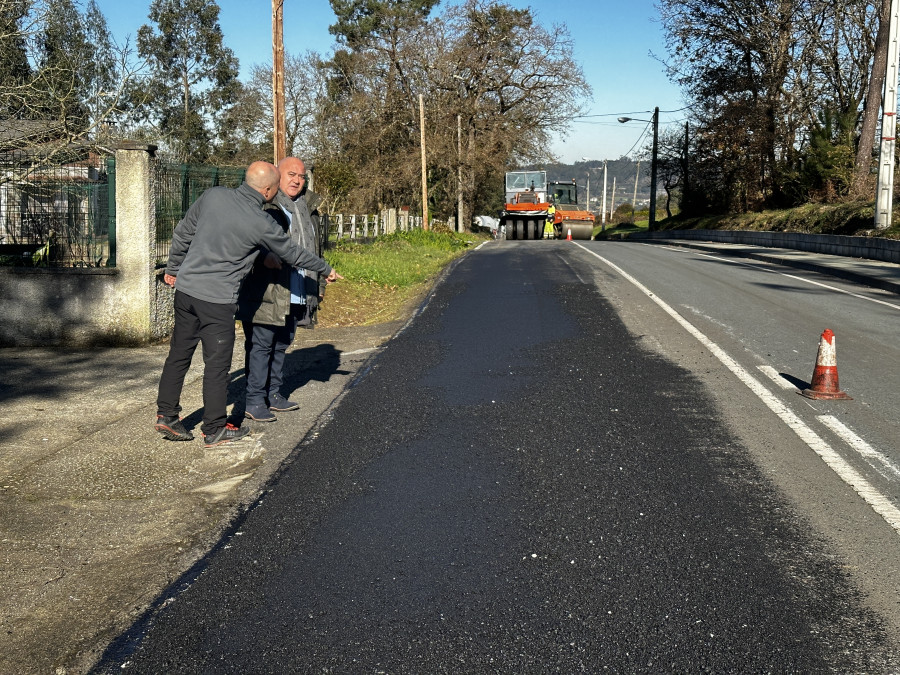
(100, 73)
(359, 21)
(15, 72)
(194, 75)
(63, 60)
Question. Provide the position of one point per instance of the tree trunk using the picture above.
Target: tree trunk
(873, 102)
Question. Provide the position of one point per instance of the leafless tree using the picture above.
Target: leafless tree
(56, 100)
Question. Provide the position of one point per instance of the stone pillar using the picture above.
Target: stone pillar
(392, 220)
(136, 306)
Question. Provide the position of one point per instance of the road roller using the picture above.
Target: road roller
(569, 216)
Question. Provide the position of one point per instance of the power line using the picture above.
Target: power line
(640, 138)
(633, 112)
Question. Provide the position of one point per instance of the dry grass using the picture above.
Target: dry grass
(350, 303)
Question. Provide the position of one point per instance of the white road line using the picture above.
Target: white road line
(793, 276)
(854, 440)
(879, 503)
(774, 375)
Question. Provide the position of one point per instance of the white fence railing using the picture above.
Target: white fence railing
(361, 227)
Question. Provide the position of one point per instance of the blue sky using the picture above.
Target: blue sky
(613, 44)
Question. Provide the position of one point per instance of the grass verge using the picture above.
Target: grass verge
(621, 228)
(381, 277)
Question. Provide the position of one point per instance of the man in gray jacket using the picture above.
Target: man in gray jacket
(276, 299)
(213, 248)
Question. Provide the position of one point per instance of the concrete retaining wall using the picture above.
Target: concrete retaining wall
(870, 248)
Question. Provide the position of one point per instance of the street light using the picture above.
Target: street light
(651, 225)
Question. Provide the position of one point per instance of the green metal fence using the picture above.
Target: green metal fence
(175, 187)
(57, 216)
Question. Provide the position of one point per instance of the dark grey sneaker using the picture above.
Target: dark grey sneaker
(172, 428)
(226, 434)
(259, 413)
(279, 403)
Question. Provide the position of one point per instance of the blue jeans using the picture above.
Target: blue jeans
(212, 325)
(265, 348)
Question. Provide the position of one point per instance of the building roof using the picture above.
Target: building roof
(16, 133)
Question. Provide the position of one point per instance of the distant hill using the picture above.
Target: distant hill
(622, 169)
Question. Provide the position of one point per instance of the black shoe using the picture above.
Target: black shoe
(259, 413)
(226, 434)
(279, 403)
(172, 429)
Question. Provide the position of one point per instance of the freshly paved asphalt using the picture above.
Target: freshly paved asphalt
(99, 514)
(516, 484)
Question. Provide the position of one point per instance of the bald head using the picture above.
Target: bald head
(264, 178)
(293, 176)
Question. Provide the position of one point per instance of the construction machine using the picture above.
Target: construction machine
(527, 208)
(532, 203)
(569, 216)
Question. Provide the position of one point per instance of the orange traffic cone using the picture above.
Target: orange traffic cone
(825, 376)
(569, 236)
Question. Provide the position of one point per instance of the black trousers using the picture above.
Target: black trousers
(212, 325)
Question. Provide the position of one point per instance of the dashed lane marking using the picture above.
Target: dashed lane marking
(875, 458)
(878, 502)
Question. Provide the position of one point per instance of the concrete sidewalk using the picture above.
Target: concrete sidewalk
(98, 513)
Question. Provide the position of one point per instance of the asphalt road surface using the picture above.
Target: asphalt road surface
(544, 472)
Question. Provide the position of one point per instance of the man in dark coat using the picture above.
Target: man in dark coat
(277, 298)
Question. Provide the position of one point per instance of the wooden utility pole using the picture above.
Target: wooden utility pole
(280, 133)
(651, 225)
(424, 172)
(459, 177)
